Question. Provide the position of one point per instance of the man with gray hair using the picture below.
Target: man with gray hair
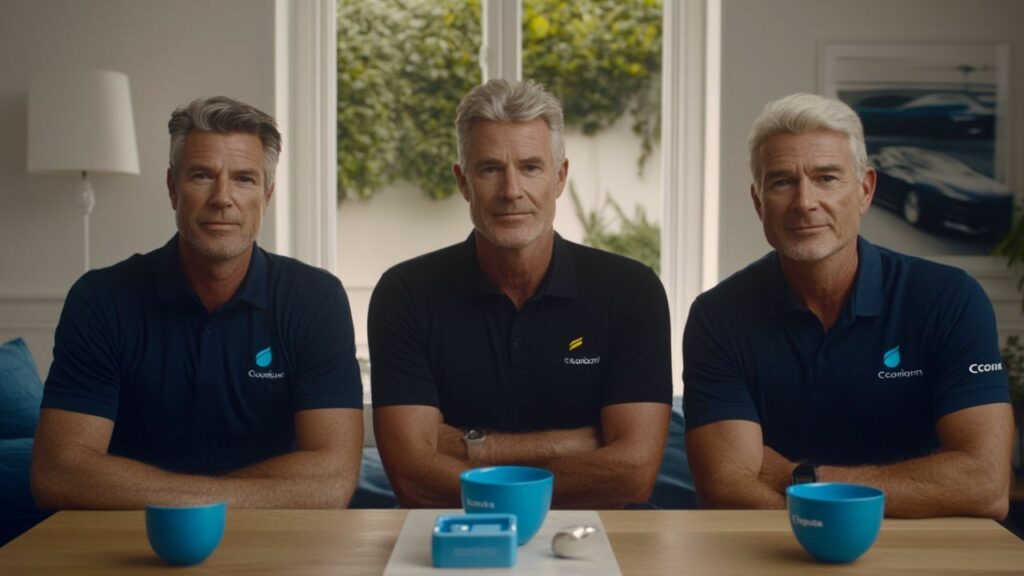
(834, 360)
(517, 346)
(209, 369)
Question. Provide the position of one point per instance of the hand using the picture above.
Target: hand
(776, 470)
(449, 441)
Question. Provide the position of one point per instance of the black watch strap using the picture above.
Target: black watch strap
(805, 473)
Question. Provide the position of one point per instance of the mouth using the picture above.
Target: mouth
(807, 228)
(219, 226)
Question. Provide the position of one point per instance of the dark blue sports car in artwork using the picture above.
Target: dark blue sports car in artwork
(935, 191)
(935, 115)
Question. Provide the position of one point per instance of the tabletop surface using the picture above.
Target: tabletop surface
(706, 542)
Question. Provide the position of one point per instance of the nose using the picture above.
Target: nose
(805, 197)
(221, 193)
(510, 185)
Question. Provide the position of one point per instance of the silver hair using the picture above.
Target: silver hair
(225, 115)
(802, 113)
(505, 101)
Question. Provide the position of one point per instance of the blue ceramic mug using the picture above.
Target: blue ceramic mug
(519, 490)
(835, 522)
(185, 535)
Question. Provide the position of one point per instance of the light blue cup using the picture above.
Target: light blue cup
(835, 522)
(185, 535)
(519, 490)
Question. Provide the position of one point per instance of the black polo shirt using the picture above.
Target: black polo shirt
(196, 392)
(915, 341)
(595, 333)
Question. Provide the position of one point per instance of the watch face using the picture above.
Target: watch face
(805, 473)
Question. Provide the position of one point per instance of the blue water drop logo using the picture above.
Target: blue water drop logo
(264, 357)
(891, 358)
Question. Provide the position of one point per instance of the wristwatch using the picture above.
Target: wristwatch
(805, 473)
(474, 439)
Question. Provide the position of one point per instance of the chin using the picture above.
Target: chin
(219, 249)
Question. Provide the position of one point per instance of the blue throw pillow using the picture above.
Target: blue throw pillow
(21, 392)
(674, 488)
(18, 511)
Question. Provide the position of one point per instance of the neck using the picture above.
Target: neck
(214, 281)
(515, 272)
(823, 286)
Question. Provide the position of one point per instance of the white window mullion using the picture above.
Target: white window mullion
(306, 108)
(689, 124)
(501, 54)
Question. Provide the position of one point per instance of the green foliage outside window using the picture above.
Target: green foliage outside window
(403, 65)
(602, 58)
(636, 237)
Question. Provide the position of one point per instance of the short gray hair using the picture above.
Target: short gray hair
(225, 115)
(802, 113)
(504, 101)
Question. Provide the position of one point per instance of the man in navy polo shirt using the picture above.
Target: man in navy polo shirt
(834, 360)
(208, 369)
(516, 346)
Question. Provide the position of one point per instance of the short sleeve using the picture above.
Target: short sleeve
(640, 344)
(967, 362)
(714, 386)
(85, 374)
(327, 369)
(399, 358)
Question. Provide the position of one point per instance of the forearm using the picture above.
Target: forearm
(739, 490)
(85, 479)
(949, 483)
(539, 449)
(587, 473)
(430, 481)
(300, 479)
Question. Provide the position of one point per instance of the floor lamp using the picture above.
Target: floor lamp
(80, 121)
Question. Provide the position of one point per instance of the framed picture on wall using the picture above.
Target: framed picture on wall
(935, 124)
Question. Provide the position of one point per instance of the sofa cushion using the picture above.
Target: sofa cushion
(18, 511)
(21, 391)
(674, 487)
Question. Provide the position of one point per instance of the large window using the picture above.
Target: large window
(403, 65)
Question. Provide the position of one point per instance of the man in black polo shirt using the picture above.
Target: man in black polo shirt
(834, 360)
(516, 346)
(208, 369)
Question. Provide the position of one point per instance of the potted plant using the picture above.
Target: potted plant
(1013, 362)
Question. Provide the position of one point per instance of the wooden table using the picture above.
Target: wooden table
(645, 542)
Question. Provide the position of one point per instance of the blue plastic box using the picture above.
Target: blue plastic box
(474, 541)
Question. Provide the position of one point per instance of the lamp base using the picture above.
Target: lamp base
(86, 200)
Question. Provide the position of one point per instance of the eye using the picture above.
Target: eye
(533, 168)
(199, 176)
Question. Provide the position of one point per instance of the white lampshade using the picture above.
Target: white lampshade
(81, 121)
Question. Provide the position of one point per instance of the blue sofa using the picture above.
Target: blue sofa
(20, 395)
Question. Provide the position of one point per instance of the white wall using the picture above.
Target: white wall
(770, 48)
(172, 52)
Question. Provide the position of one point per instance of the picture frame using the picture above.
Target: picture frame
(937, 132)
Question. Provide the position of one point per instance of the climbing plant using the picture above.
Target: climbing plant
(403, 65)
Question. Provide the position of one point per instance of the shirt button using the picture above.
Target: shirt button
(517, 342)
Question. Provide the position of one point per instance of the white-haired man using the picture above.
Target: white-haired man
(831, 359)
(516, 346)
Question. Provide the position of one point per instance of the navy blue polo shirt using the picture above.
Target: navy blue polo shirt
(194, 392)
(595, 333)
(915, 341)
